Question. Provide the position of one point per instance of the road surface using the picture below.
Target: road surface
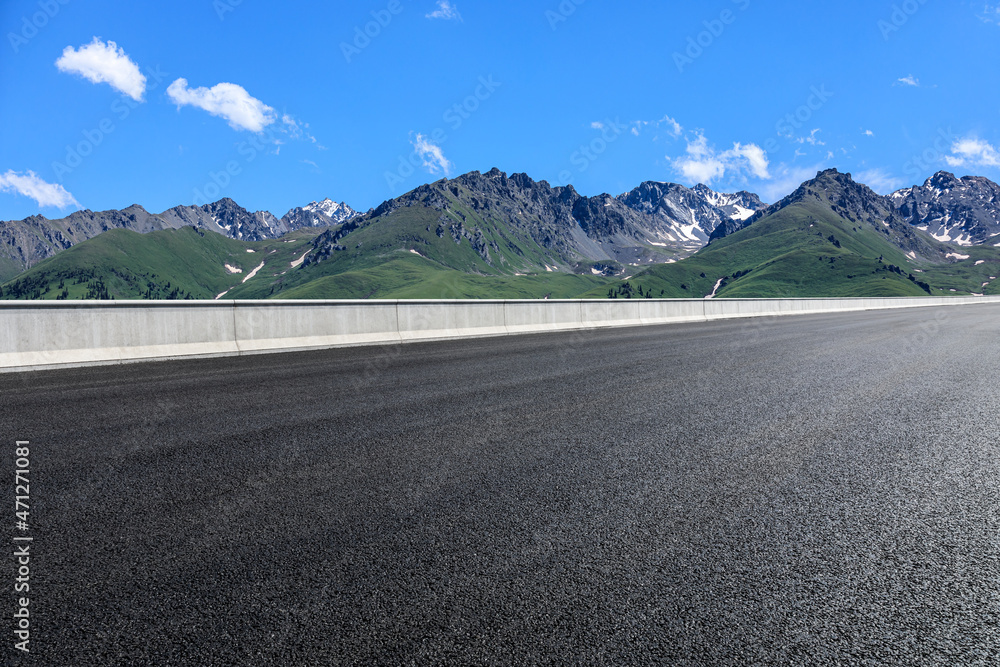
(814, 490)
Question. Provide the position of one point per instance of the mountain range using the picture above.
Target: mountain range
(963, 210)
(26, 242)
(515, 225)
(654, 222)
(494, 235)
(831, 237)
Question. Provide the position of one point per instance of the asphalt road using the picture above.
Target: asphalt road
(817, 490)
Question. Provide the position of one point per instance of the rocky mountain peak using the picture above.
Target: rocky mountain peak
(857, 206)
(964, 211)
(692, 213)
(319, 214)
(655, 222)
(942, 180)
(849, 199)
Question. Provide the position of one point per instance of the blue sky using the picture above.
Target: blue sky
(104, 104)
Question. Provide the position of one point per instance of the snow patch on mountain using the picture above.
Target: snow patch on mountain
(254, 272)
(962, 211)
(688, 216)
(337, 212)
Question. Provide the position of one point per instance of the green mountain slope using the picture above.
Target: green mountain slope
(192, 264)
(831, 238)
(442, 240)
(976, 270)
(413, 277)
(186, 263)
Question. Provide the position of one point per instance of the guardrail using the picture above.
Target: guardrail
(52, 334)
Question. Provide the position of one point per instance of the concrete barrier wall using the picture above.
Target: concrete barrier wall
(425, 320)
(539, 316)
(312, 324)
(41, 334)
(608, 313)
(656, 311)
(49, 334)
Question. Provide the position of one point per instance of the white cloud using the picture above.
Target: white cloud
(104, 62)
(973, 152)
(31, 185)
(910, 81)
(597, 125)
(674, 128)
(296, 129)
(755, 157)
(869, 133)
(703, 164)
(432, 156)
(225, 100)
(991, 14)
(811, 139)
(880, 180)
(446, 11)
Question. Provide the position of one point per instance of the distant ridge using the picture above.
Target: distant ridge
(516, 224)
(483, 234)
(965, 211)
(26, 242)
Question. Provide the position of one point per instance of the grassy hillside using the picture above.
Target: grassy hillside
(832, 238)
(978, 274)
(9, 268)
(424, 252)
(460, 240)
(191, 264)
(413, 277)
(806, 249)
(173, 264)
